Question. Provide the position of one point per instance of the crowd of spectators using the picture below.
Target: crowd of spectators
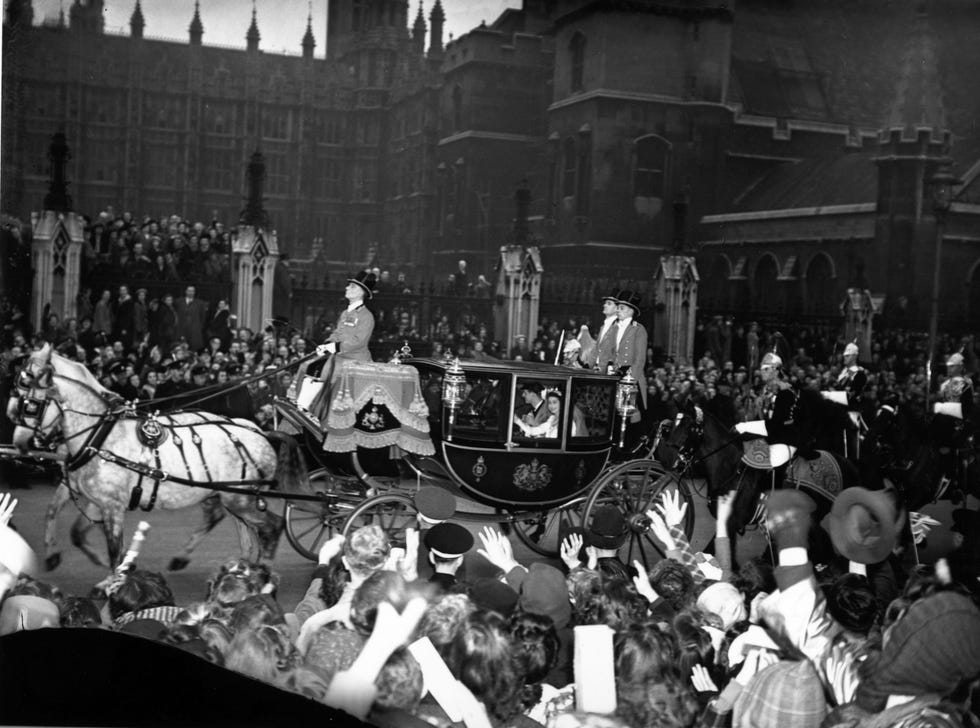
(828, 637)
(171, 249)
(853, 638)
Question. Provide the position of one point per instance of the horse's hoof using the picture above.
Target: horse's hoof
(178, 563)
(52, 562)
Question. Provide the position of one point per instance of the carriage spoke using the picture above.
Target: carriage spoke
(650, 494)
(317, 523)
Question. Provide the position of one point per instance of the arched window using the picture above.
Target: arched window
(577, 51)
(570, 162)
(457, 108)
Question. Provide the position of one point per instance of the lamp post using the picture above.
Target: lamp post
(942, 184)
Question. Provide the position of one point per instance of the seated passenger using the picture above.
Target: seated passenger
(550, 426)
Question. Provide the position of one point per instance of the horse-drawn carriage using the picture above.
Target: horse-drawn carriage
(390, 428)
(538, 485)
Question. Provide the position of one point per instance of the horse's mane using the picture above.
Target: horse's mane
(77, 371)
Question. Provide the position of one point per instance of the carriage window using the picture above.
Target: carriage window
(487, 397)
(539, 412)
(593, 407)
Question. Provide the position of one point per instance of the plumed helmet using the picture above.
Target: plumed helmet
(851, 349)
(772, 359)
(955, 360)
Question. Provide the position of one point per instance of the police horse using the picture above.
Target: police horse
(120, 460)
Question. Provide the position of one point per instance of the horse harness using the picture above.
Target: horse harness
(150, 433)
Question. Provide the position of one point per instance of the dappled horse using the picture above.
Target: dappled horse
(119, 460)
(700, 439)
(90, 517)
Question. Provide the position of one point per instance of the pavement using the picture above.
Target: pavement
(170, 529)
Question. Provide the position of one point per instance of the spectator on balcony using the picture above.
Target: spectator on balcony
(102, 318)
(482, 287)
(191, 318)
(461, 279)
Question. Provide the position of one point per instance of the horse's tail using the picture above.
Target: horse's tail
(291, 470)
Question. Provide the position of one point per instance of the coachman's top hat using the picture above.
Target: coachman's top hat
(612, 296)
(366, 280)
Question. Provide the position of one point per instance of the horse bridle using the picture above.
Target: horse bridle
(34, 408)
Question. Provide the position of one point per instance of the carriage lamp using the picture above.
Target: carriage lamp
(626, 391)
(453, 386)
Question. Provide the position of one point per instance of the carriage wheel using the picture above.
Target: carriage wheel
(542, 531)
(394, 512)
(635, 487)
(310, 523)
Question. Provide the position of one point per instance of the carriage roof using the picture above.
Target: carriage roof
(520, 368)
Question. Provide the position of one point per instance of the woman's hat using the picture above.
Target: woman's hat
(631, 299)
(864, 524)
(366, 280)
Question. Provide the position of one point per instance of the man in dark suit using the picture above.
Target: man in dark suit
(191, 317)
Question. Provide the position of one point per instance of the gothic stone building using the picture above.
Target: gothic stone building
(791, 144)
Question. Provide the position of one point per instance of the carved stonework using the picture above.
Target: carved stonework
(677, 307)
(56, 251)
(518, 293)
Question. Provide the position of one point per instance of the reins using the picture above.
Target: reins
(222, 388)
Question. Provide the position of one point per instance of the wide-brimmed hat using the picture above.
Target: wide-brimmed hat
(612, 296)
(864, 524)
(955, 360)
(851, 349)
(631, 299)
(367, 281)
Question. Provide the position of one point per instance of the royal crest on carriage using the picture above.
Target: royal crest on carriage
(372, 420)
(151, 433)
(480, 468)
(533, 476)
